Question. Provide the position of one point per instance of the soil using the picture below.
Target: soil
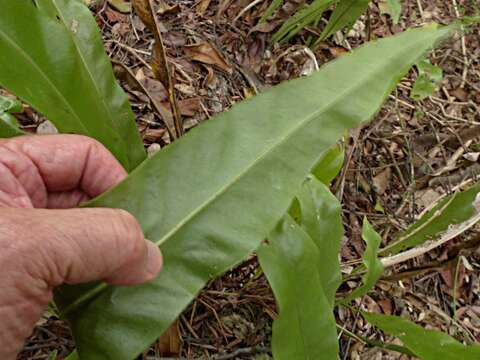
(411, 154)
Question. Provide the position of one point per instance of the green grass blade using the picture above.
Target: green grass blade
(301, 19)
(274, 5)
(305, 327)
(52, 57)
(370, 260)
(209, 204)
(344, 15)
(426, 344)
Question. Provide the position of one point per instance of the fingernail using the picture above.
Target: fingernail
(154, 259)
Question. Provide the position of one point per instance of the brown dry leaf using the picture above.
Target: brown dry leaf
(168, 9)
(124, 73)
(121, 5)
(206, 53)
(155, 89)
(386, 305)
(189, 107)
(169, 343)
(115, 16)
(338, 51)
(185, 89)
(426, 197)
(153, 135)
(381, 181)
(202, 6)
(460, 93)
(266, 27)
(160, 66)
(210, 79)
(452, 278)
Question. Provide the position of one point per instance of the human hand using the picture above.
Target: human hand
(44, 243)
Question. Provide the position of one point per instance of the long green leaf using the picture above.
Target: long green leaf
(426, 344)
(321, 219)
(52, 57)
(344, 15)
(305, 328)
(370, 260)
(210, 203)
(453, 210)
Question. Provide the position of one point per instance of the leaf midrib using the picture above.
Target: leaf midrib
(223, 189)
(270, 149)
(26, 56)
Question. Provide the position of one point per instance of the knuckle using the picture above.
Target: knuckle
(95, 146)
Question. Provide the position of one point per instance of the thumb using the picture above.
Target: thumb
(82, 245)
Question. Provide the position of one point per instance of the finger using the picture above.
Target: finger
(12, 193)
(66, 199)
(25, 174)
(68, 162)
(82, 245)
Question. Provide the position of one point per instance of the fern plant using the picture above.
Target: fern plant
(211, 205)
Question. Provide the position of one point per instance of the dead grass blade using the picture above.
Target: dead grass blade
(144, 9)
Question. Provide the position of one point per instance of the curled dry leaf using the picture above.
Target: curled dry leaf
(206, 53)
(160, 67)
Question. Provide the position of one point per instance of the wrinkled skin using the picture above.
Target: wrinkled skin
(44, 242)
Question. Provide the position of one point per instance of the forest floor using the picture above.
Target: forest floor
(409, 156)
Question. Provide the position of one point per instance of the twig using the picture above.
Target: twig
(420, 8)
(455, 285)
(464, 46)
(134, 52)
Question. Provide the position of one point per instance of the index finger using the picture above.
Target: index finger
(68, 162)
